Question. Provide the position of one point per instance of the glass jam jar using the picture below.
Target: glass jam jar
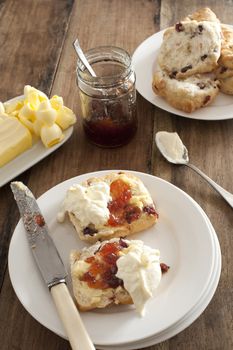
(108, 101)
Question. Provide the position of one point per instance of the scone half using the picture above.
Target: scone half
(117, 271)
(186, 94)
(114, 205)
(95, 284)
(190, 47)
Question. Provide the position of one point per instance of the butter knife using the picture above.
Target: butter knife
(51, 266)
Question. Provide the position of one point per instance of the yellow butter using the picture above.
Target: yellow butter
(56, 102)
(50, 135)
(14, 139)
(46, 114)
(13, 106)
(65, 117)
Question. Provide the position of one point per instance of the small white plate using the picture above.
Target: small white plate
(183, 236)
(144, 62)
(30, 157)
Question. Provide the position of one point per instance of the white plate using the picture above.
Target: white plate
(186, 243)
(30, 157)
(190, 317)
(144, 60)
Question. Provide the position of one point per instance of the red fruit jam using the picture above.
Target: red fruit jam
(121, 211)
(105, 132)
(103, 268)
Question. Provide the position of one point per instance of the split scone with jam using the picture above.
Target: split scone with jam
(117, 271)
(113, 205)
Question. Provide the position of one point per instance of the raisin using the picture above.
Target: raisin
(132, 213)
(89, 231)
(184, 69)
(206, 99)
(150, 210)
(203, 57)
(123, 243)
(223, 70)
(179, 27)
(172, 75)
(164, 267)
(200, 28)
(201, 85)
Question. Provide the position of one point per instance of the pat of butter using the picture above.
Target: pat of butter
(14, 139)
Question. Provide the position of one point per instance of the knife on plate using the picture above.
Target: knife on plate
(51, 266)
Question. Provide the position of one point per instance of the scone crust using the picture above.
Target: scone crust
(226, 58)
(107, 232)
(226, 85)
(196, 45)
(203, 14)
(223, 72)
(88, 298)
(187, 95)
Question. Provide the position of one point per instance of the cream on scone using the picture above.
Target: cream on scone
(190, 47)
(117, 271)
(113, 205)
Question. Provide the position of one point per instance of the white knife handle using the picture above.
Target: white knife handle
(69, 315)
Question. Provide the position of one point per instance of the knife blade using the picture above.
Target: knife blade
(50, 265)
(45, 252)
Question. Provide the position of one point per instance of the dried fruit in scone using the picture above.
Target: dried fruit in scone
(114, 205)
(117, 271)
(187, 94)
(190, 47)
(203, 14)
(223, 72)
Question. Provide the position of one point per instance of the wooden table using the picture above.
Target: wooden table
(36, 48)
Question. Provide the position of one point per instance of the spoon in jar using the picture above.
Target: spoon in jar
(86, 64)
(172, 148)
(83, 58)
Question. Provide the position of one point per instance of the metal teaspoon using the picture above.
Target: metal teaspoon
(172, 148)
(84, 60)
(82, 57)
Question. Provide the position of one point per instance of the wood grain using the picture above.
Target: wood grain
(210, 146)
(37, 49)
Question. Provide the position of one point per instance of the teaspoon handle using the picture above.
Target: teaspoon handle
(82, 57)
(225, 194)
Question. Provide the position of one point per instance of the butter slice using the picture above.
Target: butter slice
(14, 139)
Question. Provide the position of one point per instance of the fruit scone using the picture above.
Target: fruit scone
(190, 47)
(224, 72)
(117, 271)
(186, 94)
(113, 205)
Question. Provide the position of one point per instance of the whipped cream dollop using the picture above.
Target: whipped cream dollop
(139, 268)
(88, 204)
(171, 146)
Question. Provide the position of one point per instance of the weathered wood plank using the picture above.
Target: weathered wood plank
(120, 29)
(210, 145)
(31, 35)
